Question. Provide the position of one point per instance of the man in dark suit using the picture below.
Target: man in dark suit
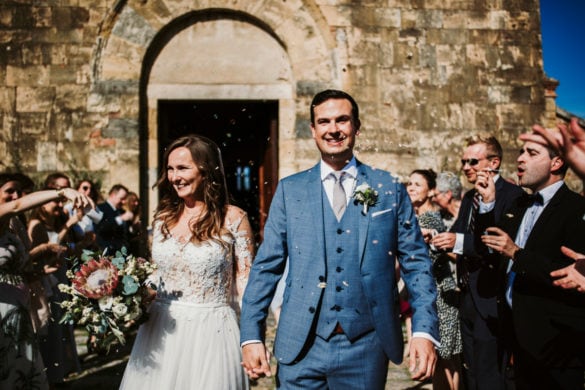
(477, 270)
(548, 323)
(339, 321)
(112, 230)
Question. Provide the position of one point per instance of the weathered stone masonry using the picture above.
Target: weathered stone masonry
(79, 79)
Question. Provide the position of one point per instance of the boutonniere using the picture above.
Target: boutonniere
(365, 195)
(509, 215)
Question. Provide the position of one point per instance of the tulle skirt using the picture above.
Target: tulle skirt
(186, 346)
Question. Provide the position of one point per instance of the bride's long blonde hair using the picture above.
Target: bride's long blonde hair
(209, 225)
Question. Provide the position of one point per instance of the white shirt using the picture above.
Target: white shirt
(348, 179)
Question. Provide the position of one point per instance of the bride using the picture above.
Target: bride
(203, 248)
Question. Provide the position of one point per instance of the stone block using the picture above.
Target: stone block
(35, 53)
(22, 18)
(33, 124)
(337, 15)
(387, 17)
(121, 128)
(132, 27)
(30, 99)
(6, 16)
(7, 99)
(31, 76)
(42, 16)
(71, 97)
(62, 74)
(48, 158)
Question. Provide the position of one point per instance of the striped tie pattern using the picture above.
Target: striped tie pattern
(474, 209)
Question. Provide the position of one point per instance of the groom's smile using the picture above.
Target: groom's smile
(334, 131)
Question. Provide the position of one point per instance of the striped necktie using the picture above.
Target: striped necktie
(474, 210)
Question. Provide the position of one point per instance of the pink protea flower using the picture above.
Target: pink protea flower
(96, 279)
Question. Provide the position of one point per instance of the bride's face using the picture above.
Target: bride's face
(183, 173)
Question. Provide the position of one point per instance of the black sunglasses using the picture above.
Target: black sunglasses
(474, 161)
(471, 161)
(85, 188)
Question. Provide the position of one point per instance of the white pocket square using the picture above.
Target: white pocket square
(375, 214)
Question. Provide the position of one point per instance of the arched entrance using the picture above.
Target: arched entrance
(226, 78)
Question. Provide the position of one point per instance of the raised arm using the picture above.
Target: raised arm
(39, 198)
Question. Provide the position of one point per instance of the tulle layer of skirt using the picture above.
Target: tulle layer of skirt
(186, 346)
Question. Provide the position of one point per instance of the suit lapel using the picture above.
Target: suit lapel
(311, 200)
(364, 220)
(512, 219)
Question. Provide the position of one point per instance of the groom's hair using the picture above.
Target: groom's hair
(335, 94)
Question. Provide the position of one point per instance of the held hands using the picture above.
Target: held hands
(570, 277)
(422, 359)
(255, 358)
(499, 241)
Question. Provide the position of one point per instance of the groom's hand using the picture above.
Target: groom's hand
(255, 360)
(422, 358)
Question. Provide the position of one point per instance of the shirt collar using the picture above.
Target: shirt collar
(350, 169)
(550, 191)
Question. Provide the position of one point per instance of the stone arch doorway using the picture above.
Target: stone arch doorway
(246, 132)
(219, 75)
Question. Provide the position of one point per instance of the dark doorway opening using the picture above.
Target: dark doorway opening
(246, 132)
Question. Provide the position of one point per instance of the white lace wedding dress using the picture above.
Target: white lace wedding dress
(191, 339)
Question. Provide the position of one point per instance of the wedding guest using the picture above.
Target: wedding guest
(27, 185)
(568, 142)
(22, 365)
(547, 323)
(137, 240)
(93, 217)
(448, 195)
(57, 180)
(485, 366)
(50, 224)
(112, 229)
(203, 247)
(339, 322)
(421, 189)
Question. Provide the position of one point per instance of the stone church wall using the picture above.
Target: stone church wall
(426, 73)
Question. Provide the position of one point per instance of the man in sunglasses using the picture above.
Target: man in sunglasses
(477, 271)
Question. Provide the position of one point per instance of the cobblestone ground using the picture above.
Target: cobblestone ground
(105, 372)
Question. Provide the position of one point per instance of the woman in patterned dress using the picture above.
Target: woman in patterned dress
(421, 188)
(203, 248)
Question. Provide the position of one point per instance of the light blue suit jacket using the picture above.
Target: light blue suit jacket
(295, 230)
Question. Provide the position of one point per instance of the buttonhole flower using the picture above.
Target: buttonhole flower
(365, 195)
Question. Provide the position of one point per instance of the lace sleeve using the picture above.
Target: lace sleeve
(239, 226)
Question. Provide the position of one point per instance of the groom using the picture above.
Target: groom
(339, 322)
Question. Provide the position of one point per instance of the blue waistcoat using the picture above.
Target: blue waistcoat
(343, 301)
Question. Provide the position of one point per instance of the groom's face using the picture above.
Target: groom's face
(334, 131)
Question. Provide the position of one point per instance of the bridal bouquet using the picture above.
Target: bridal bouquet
(106, 295)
